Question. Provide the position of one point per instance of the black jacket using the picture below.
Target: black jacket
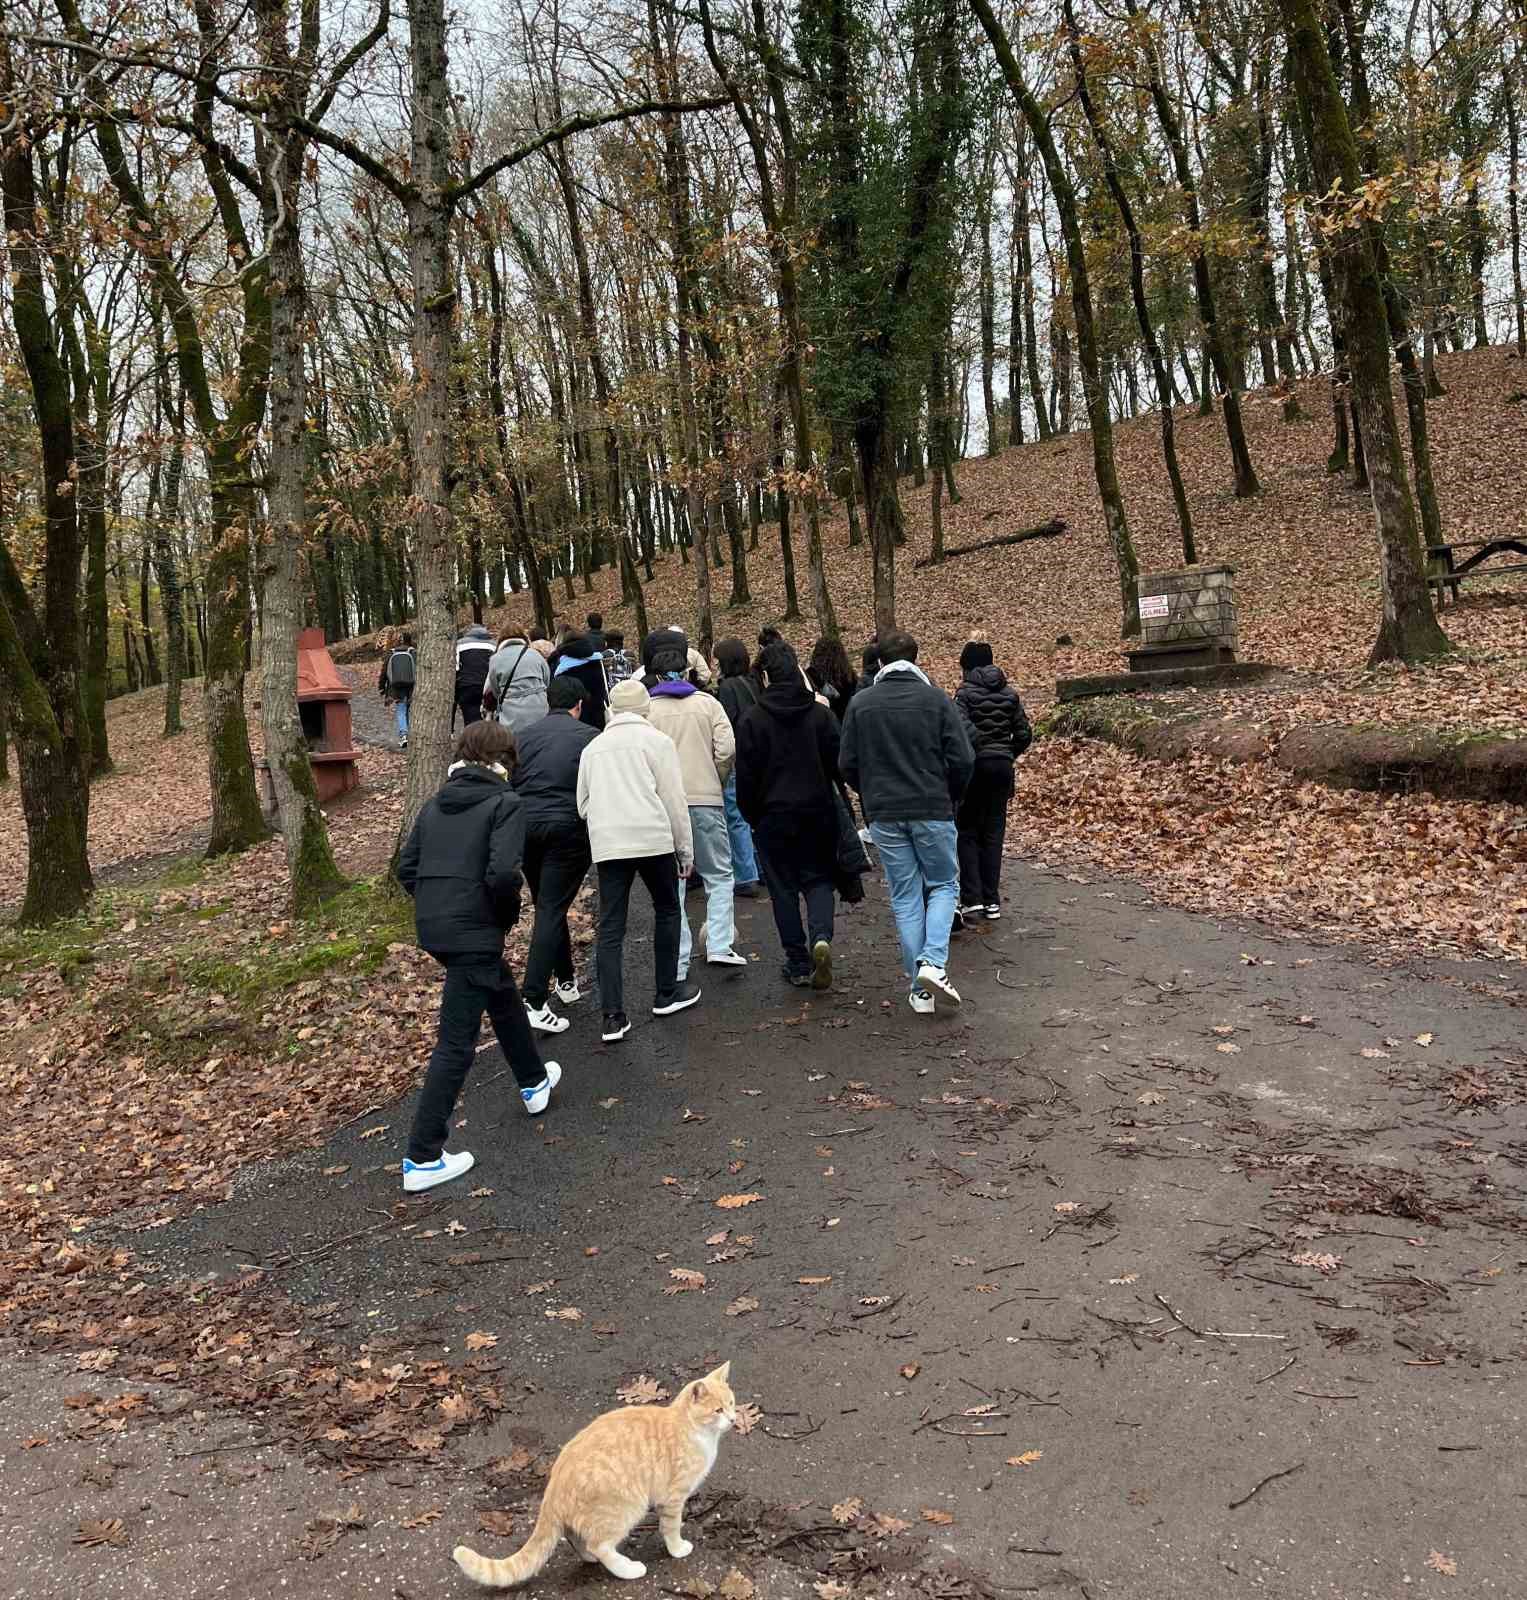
(906, 751)
(462, 865)
(474, 650)
(738, 695)
(546, 778)
(596, 696)
(787, 760)
(993, 714)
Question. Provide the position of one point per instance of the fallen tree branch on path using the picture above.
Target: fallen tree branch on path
(1052, 529)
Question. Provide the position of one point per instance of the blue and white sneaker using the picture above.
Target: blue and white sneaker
(419, 1175)
(537, 1099)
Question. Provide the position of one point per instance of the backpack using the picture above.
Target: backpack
(400, 669)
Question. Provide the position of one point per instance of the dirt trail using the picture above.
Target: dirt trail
(1179, 1205)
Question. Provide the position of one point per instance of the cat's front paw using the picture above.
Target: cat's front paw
(679, 1548)
(633, 1570)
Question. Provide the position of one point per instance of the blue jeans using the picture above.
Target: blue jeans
(713, 861)
(400, 711)
(922, 866)
(744, 857)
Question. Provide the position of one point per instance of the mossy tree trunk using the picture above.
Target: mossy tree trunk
(40, 654)
(309, 859)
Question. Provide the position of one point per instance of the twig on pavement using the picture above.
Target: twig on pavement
(1272, 1477)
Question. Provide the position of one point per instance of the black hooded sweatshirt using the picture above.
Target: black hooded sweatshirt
(462, 865)
(787, 760)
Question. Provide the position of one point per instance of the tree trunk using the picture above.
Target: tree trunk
(1514, 196)
(432, 345)
(309, 859)
(988, 298)
(1243, 473)
(1030, 338)
(1136, 286)
(1409, 630)
(40, 656)
(1103, 466)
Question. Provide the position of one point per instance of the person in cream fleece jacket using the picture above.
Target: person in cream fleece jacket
(631, 795)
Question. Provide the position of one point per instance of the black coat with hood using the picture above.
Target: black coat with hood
(577, 659)
(737, 691)
(787, 761)
(461, 864)
(993, 714)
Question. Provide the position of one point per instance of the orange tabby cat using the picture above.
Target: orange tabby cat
(610, 1475)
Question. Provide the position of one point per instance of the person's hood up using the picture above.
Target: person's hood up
(469, 786)
(674, 689)
(788, 702)
(477, 631)
(659, 639)
(987, 677)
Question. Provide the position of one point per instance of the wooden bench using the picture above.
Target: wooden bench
(1447, 571)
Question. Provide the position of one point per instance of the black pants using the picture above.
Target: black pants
(556, 862)
(982, 822)
(473, 984)
(469, 703)
(797, 864)
(661, 876)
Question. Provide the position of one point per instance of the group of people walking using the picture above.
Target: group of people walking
(661, 774)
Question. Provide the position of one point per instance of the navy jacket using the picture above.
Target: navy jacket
(546, 778)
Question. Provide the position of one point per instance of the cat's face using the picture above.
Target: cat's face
(712, 1405)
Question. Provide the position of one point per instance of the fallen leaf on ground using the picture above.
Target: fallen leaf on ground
(911, 1370)
(608, 1102)
(334, 1172)
(1129, 1277)
(1027, 1459)
(684, 1278)
(886, 1524)
(730, 1202)
(496, 1522)
(1151, 1097)
(846, 1510)
(481, 1341)
(1229, 1049)
(736, 1586)
(741, 1306)
(830, 1589)
(942, 1518)
(1066, 1207)
(1443, 1564)
(719, 1237)
(376, 1132)
(748, 1418)
(1322, 1260)
(1372, 1052)
(642, 1391)
(812, 1283)
(541, 1288)
(564, 1314)
(1424, 1039)
(479, 1194)
(101, 1530)
(424, 1518)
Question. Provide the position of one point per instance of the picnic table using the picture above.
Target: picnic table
(1448, 566)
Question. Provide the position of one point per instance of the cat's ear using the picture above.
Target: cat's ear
(721, 1374)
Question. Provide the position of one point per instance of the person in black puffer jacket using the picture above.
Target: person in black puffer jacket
(1000, 732)
(461, 865)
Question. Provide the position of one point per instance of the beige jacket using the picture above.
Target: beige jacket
(698, 724)
(631, 793)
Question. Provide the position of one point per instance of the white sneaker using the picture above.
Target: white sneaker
(726, 958)
(937, 978)
(865, 836)
(537, 1099)
(545, 1020)
(568, 993)
(419, 1175)
(921, 1002)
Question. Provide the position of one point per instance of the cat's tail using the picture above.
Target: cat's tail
(524, 1563)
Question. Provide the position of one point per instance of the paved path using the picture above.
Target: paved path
(1179, 1206)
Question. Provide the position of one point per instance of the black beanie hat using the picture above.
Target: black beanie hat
(975, 654)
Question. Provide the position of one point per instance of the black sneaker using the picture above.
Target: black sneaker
(679, 999)
(748, 891)
(616, 1026)
(797, 979)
